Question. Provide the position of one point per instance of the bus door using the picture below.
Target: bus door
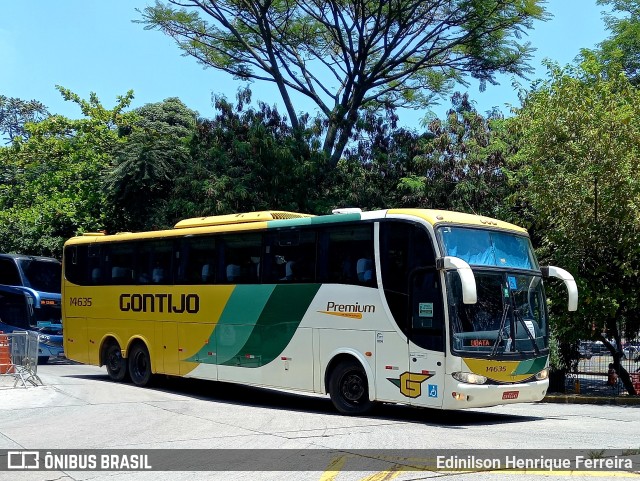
(392, 367)
(170, 348)
(426, 346)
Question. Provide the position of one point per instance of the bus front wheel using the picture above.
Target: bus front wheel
(140, 365)
(116, 364)
(349, 388)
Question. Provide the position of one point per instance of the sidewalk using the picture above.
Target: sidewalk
(591, 399)
(592, 389)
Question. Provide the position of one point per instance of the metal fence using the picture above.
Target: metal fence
(19, 358)
(593, 377)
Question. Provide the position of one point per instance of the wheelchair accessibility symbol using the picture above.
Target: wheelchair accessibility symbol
(433, 390)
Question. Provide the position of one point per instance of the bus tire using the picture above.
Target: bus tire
(349, 388)
(139, 365)
(43, 359)
(116, 364)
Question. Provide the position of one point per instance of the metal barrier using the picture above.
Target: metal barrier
(592, 374)
(19, 357)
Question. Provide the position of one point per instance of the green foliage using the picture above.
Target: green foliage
(576, 186)
(458, 164)
(347, 55)
(51, 185)
(455, 164)
(145, 165)
(623, 46)
(244, 159)
(16, 113)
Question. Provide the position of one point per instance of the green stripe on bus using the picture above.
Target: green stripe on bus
(276, 326)
(274, 224)
(322, 219)
(531, 366)
(331, 219)
(236, 322)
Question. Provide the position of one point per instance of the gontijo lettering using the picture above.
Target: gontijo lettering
(189, 303)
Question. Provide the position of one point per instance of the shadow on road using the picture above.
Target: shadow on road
(222, 392)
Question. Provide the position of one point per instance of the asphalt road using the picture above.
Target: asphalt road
(78, 407)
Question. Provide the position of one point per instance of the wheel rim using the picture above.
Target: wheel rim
(353, 387)
(140, 365)
(114, 359)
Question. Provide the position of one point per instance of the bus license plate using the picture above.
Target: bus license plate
(510, 394)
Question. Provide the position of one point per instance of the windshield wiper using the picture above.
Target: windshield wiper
(499, 337)
(520, 319)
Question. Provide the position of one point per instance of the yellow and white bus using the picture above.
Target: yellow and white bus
(424, 307)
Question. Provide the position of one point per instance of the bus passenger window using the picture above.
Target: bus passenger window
(197, 260)
(291, 257)
(153, 261)
(122, 264)
(348, 255)
(239, 254)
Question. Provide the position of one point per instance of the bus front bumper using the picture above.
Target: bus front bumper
(458, 395)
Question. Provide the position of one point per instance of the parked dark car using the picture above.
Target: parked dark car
(584, 349)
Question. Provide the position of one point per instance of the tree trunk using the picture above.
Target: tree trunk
(345, 127)
(616, 352)
(624, 377)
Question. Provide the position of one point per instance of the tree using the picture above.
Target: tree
(51, 180)
(577, 187)
(15, 113)
(244, 159)
(455, 164)
(623, 46)
(461, 163)
(146, 164)
(346, 55)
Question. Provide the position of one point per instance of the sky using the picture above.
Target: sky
(93, 46)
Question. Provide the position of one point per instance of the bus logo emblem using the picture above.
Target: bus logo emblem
(410, 383)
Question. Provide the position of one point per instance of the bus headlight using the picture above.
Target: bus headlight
(469, 377)
(542, 375)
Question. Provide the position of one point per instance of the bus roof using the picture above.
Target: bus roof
(239, 218)
(279, 219)
(435, 217)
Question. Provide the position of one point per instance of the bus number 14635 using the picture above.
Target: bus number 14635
(80, 301)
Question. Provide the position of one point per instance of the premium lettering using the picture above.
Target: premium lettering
(333, 307)
(189, 303)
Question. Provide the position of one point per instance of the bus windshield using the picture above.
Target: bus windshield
(490, 248)
(43, 276)
(509, 317)
(16, 309)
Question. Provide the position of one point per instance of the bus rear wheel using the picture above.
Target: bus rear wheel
(140, 365)
(349, 388)
(116, 364)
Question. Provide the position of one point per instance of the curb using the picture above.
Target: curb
(582, 399)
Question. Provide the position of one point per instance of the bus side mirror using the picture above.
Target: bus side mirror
(569, 281)
(469, 293)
